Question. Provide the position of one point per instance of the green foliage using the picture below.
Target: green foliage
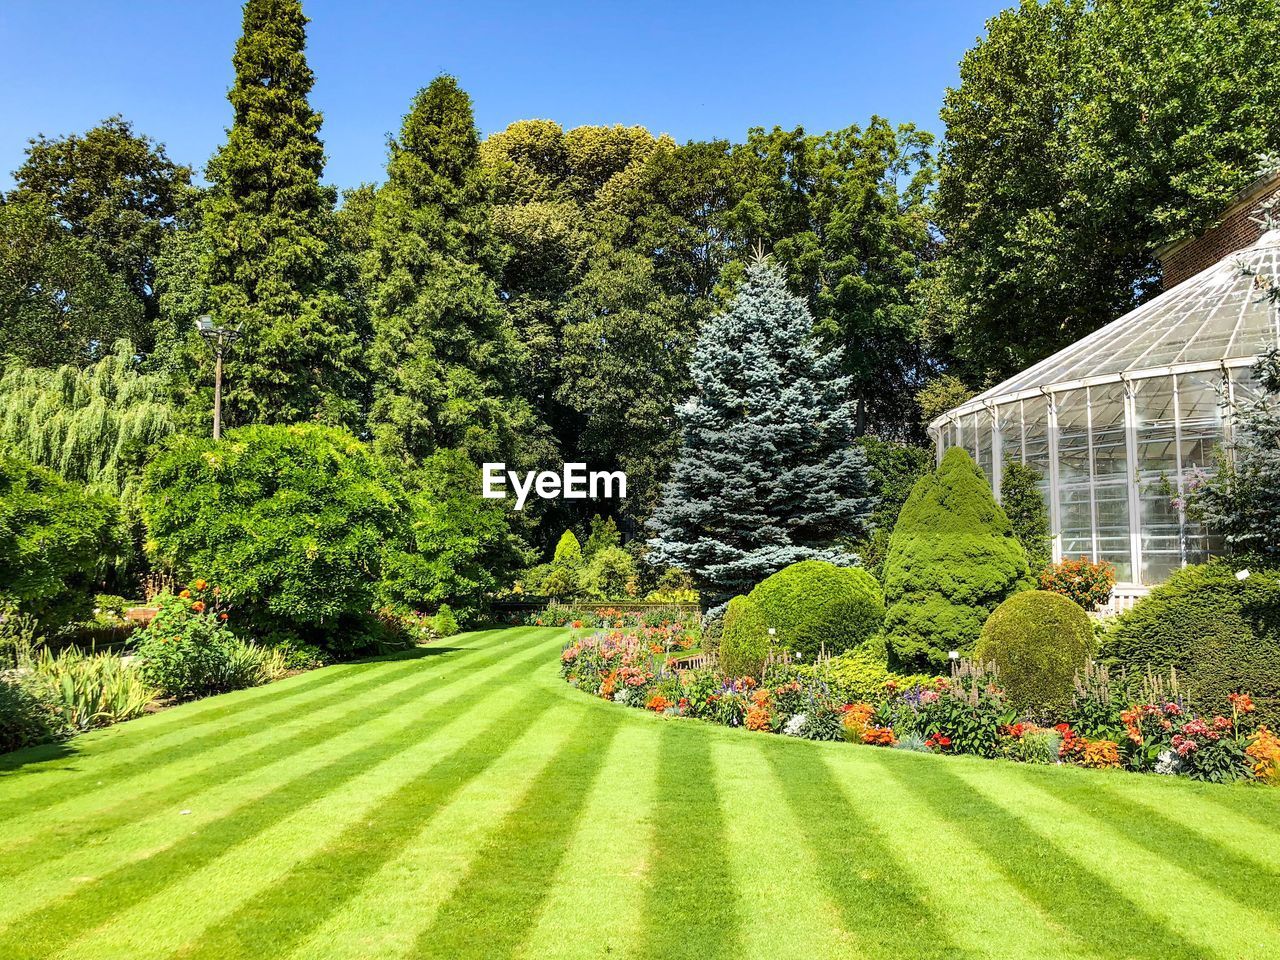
(1084, 581)
(568, 551)
(608, 573)
(19, 635)
(1037, 641)
(188, 651)
(953, 558)
(444, 355)
(91, 690)
(270, 265)
(26, 717)
(1241, 502)
(767, 473)
(58, 301)
(673, 586)
(458, 548)
(94, 425)
(291, 523)
(444, 623)
(815, 606)
(604, 533)
(860, 673)
(893, 469)
(56, 541)
(115, 190)
(1221, 634)
(1080, 139)
(744, 642)
(941, 394)
(1024, 504)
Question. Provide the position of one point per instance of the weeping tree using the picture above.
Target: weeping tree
(92, 425)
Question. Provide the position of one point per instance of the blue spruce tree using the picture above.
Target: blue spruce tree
(767, 473)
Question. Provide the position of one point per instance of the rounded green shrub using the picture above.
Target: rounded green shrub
(290, 522)
(953, 558)
(815, 605)
(1037, 641)
(26, 717)
(1221, 634)
(744, 643)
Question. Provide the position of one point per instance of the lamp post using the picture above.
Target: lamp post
(218, 338)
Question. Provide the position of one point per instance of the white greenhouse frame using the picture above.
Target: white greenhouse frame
(1122, 421)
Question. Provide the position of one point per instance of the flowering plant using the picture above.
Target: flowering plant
(1084, 581)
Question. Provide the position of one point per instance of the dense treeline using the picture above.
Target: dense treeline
(536, 295)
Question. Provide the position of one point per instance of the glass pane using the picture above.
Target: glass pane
(1111, 478)
(982, 443)
(1009, 423)
(1157, 456)
(1035, 420)
(1202, 409)
(1075, 507)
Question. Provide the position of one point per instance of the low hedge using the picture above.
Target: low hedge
(1220, 633)
(814, 606)
(1037, 641)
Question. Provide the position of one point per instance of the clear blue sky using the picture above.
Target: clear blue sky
(695, 70)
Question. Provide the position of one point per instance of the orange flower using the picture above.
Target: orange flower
(1100, 754)
(198, 606)
(879, 736)
(657, 703)
(222, 616)
(185, 594)
(1264, 752)
(200, 584)
(758, 718)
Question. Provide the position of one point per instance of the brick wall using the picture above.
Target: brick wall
(1235, 231)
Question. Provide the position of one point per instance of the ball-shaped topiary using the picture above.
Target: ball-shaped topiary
(744, 643)
(1037, 640)
(1221, 634)
(953, 558)
(815, 605)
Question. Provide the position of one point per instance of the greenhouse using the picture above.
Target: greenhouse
(1119, 424)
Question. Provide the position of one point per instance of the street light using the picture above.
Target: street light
(218, 338)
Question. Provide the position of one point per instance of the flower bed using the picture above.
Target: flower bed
(966, 713)
(597, 617)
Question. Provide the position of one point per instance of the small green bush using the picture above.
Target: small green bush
(1221, 634)
(608, 573)
(1037, 641)
(860, 673)
(444, 623)
(187, 651)
(26, 718)
(814, 606)
(291, 522)
(744, 643)
(953, 558)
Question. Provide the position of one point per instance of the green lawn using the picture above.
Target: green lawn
(467, 803)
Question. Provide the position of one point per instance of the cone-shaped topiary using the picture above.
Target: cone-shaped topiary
(744, 645)
(568, 550)
(953, 558)
(1037, 640)
(814, 605)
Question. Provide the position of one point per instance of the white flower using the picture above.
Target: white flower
(794, 725)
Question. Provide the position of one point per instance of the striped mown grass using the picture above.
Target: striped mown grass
(463, 802)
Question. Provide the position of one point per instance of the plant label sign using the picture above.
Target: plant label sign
(573, 482)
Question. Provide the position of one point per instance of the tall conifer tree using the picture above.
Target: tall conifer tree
(444, 353)
(270, 267)
(768, 473)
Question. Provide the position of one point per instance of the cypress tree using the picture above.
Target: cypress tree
(767, 473)
(953, 558)
(443, 351)
(270, 267)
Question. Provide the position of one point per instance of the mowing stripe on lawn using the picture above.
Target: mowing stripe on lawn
(401, 899)
(775, 874)
(690, 907)
(227, 759)
(881, 907)
(287, 911)
(493, 908)
(103, 895)
(309, 864)
(133, 743)
(1213, 922)
(1217, 864)
(606, 861)
(224, 764)
(943, 862)
(1088, 904)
